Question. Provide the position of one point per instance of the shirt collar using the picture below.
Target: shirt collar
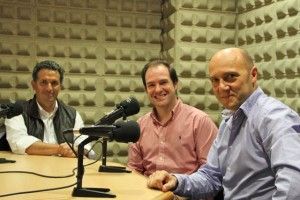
(246, 106)
(175, 110)
(44, 113)
(251, 100)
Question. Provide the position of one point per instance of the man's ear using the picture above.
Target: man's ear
(176, 86)
(145, 88)
(254, 74)
(33, 85)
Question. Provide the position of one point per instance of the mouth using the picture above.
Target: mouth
(51, 96)
(227, 97)
(160, 97)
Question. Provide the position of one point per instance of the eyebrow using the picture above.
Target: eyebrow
(227, 73)
(164, 79)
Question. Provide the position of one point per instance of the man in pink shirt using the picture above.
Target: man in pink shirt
(174, 137)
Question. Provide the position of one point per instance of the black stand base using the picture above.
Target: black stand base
(92, 192)
(114, 169)
(79, 191)
(4, 160)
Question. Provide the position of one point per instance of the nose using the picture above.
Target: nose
(157, 88)
(49, 87)
(223, 85)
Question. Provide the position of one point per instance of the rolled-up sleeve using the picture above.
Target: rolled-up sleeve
(17, 136)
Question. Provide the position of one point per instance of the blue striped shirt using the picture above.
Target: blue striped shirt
(255, 155)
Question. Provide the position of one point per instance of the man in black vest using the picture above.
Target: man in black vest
(39, 129)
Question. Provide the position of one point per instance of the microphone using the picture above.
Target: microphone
(127, 107)
(120, 132)
(10, 110)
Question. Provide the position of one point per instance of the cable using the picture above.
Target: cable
(48, 189)
(37, 174)
(34, 191)
(96, 160)
(46, 176)
(98, 141)
(76, 138)
(71, 146)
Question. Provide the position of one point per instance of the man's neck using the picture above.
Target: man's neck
(165, 113)
(48, 108)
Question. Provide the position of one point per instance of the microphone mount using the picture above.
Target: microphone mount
(125, 108)
(104, 167)
(116, 132)
(79, 191)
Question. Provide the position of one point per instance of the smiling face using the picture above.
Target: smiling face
(160, 88)
(233, 77)
(46, 87)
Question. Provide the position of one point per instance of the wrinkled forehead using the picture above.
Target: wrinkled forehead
(47, 73)
(225, 62)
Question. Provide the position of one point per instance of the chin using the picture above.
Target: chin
(160, 104)
(227, 106)
(51, 100)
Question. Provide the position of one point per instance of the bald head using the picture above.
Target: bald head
(234, 55)
(233, 76)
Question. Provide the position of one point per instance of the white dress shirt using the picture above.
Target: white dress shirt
(19, 139)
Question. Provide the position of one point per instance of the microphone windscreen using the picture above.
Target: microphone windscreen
(14, 109)
(126, 131)
(131, 106)
(99, 130)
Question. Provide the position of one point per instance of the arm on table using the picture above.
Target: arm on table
(41, 148)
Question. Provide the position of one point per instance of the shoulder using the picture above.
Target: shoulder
(196, 116)
(65, 107)
(269, 114)
(27, 105)
(268, 105)
(144, 117)
(66, 110)
(192, 111)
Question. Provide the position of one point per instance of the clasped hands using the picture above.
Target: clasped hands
(162, 180)
(65, 151)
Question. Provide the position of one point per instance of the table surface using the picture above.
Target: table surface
(126, 186)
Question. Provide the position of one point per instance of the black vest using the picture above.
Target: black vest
(64, 119)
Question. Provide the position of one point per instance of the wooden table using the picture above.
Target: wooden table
(126, 186)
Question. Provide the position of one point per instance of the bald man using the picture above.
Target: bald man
(256, 153)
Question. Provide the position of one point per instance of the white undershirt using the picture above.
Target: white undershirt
(47, 118)
(19, 140)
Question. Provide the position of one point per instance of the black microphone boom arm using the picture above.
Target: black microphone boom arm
(79, 191)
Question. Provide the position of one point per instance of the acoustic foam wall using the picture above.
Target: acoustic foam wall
(101, 44)
(194, 30)
(270, 32)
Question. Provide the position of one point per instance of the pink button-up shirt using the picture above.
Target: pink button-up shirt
(180, 145)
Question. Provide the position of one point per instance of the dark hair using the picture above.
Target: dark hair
(154, 63)
(48, 64)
